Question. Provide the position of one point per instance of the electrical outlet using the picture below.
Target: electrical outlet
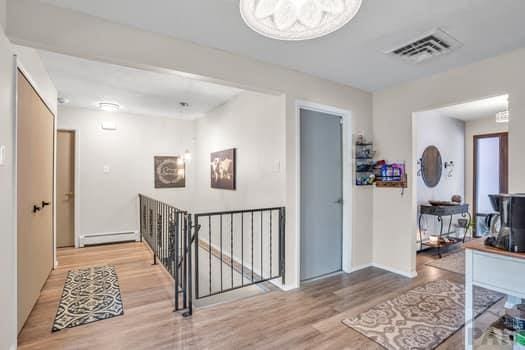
(107, 170)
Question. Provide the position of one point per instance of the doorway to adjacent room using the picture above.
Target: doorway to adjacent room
(65, 172)
(321, 247)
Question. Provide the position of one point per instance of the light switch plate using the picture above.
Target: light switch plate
(2, 155)
(277, 167)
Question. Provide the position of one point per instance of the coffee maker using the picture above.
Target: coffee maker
(511, 235)
(517, 223)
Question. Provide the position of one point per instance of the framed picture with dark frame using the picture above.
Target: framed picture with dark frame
(170, 172)
(223, 169)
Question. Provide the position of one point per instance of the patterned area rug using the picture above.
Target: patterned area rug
(89, 295)
(453, 262)
(422, 318)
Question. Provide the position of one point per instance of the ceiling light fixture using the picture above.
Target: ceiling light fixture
(297, 19)
(109, 106)
(502, 117)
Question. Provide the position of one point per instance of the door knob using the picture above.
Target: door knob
(339, 201)
(69, 194)
(36, 209)
(45, 204)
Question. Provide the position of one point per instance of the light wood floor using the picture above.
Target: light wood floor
(309, 318)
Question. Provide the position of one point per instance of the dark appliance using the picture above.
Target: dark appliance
(517, 223)
(511, 235)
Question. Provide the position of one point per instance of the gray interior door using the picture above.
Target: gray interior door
(321, 194)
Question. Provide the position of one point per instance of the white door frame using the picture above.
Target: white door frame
(347, 188)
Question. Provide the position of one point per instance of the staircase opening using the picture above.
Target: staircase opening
(215, 256)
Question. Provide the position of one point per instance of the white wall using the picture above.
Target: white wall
(394, 215)
(253, 123)
(481, 126)
(92, 38)
(108, 201)
(448, 135)
(8, 321)
(3, 14)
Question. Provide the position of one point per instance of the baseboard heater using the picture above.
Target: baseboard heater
(110, 237)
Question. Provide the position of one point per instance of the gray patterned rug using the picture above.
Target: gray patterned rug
(89, 295)
(453, 262)
(422, 318)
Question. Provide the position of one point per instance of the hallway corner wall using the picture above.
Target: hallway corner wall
(107, 201)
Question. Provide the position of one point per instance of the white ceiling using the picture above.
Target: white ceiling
(85, 83)
(353, 55)
(476, 109)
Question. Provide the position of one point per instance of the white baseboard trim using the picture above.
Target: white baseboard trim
(412, 274)
(361, 267)
(108, 237)
(283, 287)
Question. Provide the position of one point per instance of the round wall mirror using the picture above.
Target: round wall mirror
(431, 166)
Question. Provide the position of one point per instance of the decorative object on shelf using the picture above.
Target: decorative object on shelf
(391, 175)
(431, 166)
(223, 168)
(450, 167)
(457, 199)
(297, 19)
(364, 162)
(442, 239)
(170, 172)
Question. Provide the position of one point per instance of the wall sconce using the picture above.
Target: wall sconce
(450, 167)
(187, 156)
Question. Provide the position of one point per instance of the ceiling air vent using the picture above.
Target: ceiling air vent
(428, 46)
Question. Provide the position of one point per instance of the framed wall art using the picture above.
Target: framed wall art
(170, 172)
(223, 167)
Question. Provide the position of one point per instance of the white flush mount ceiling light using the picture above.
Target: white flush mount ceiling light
(109, 106)
(502, 117)
(297, 19)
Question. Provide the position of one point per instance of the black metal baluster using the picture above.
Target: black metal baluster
(190, 277)
(282, 234)
(252, 246)
(197, 229)
(155, 249)
(262, 263)
(242, 249)
(185, 261)
(231, 251)
(176, 253)
(271, 247)
(221, 251)
(209, 250)
(140, 213)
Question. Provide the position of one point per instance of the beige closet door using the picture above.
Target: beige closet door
(65, 189)
(35, 192)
